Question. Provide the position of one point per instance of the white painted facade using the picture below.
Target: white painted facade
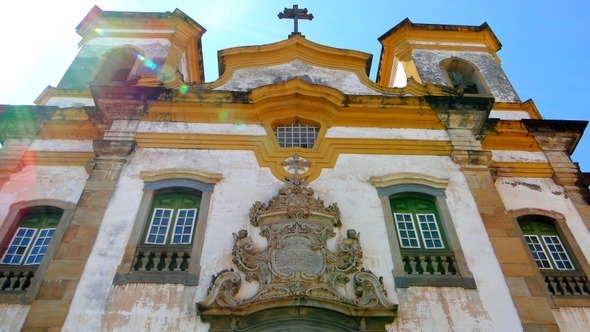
(347, 178)
(99, 302)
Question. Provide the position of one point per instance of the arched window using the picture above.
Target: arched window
(545, 244)
(464, 75)
(118, 65)
(32, 236)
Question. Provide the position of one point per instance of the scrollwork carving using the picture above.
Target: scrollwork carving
(296, 262)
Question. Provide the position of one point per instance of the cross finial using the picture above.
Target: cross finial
(296, 14)
(296, 164)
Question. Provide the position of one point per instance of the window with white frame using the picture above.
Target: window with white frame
(417, 223)
(31, 238)
(546, 245)
(173, 217)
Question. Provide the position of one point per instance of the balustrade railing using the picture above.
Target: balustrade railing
(16, 278)
(567, 283)
(418, 263)
(161, 259)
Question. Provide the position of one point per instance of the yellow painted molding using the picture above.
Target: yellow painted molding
(510, 135)
(57, 158)
(324, 154)
(516, 213)
(280, 105)
(408, 178)
(296, 98)
(180, 173)
(522, 169)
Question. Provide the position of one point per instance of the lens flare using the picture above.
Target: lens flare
(150, 64)
(183, 89)
(146, 61)
(100, 32)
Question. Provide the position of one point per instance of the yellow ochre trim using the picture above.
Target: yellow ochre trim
(408, 178)
(180, 173)
(57, 158)
(522, 169)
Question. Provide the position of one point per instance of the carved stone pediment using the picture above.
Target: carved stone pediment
(296, 271)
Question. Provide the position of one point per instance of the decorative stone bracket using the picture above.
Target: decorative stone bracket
(298, 278)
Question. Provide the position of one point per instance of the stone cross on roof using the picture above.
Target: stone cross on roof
(296, 14)
(296, 164)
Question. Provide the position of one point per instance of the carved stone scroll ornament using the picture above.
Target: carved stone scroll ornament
(296, 270)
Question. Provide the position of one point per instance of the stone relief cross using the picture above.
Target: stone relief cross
(296, 164)
(296, 14)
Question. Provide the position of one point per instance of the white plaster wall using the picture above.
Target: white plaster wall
(518, 156)
(387, 133)
(12, 316)
(151, 307)
(69, 102)
(443, 309)
(250, 78)
(200, 128)
(509, 115)
(96, 302)
(572, 319)
(61, 145)
(42, 182)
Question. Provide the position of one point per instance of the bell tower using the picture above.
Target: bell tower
(463, 57)
(130, 49)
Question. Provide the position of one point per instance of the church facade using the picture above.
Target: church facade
(291, 193)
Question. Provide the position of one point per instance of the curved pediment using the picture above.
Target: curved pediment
(292, 49)
(247, 68)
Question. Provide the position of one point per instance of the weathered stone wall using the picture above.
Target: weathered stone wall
(428, 65)
(250, 78)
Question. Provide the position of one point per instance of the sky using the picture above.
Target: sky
(545, 44)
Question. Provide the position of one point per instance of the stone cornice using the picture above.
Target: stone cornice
(561, 135)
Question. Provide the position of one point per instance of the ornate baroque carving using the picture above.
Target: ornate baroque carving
(296, 264)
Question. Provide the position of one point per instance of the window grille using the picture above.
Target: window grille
(296, 135)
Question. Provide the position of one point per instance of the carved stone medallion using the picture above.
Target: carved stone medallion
(296, 270)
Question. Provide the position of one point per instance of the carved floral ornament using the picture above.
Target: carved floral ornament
(296, 269)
